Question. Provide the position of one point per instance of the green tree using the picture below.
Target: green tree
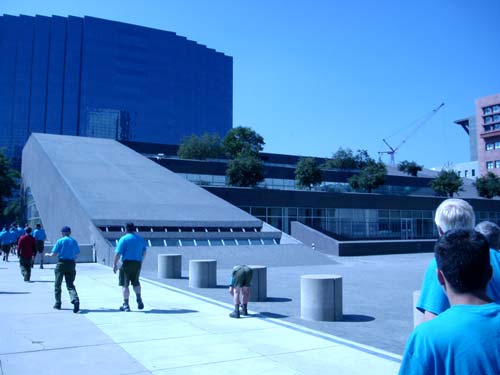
(242, 141)
(9, 178)
(245, 171)
(411, 168)
(447, 183)
(488, 186)
(362, 159)
(346, 159)
(14, 211)
(307, 173)
(342, 159)
(200, 147)
(370, 177)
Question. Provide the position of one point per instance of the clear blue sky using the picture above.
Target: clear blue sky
(313, 76)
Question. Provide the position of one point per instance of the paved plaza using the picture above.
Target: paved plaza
(187, 331)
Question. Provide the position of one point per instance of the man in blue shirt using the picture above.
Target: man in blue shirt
(40, 238)
(450, 214)
(131, 249)
(67, 249)
(5, 242)
(464, 338)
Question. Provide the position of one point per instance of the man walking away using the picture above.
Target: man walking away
(26, 249)
(5, 243)
(67, 249)
(40, 238)
(131, 249)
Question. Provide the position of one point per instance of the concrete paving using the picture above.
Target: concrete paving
(377, 291)
(178, 332)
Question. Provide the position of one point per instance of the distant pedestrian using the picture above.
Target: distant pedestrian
(26, 250)
(67, 249)
(240, 285)
(5, 243)
(14, 237)
(40, 238)
(131, 249)
(7, 239)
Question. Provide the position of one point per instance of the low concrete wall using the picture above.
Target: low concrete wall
(356, 248)
(328, 245)
(317, 240)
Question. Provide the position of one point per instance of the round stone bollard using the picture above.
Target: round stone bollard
(169, 266)
(321, 297)
(203, 273)
(258, 289)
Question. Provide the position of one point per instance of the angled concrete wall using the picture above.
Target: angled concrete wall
(88, 182)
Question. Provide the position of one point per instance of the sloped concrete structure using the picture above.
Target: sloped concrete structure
(97, 185)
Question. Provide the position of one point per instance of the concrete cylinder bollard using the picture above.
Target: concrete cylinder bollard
(258, 289)
(169, 266)
(321, 297)
(418, 316)
(203, 273)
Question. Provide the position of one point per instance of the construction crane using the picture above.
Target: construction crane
(393, 150)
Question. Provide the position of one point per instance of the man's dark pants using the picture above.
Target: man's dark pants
(25, 265)
(66, 269)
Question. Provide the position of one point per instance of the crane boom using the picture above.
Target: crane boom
(393, 150)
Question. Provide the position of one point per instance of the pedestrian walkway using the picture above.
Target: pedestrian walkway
(178, 332)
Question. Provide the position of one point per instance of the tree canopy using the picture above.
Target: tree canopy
(307, 173)
(488, 186)
(370, 177)
(346, 159)
(242, 141)
(411, 168)
(447, 183)
(245, 171)
(200, 147)
(9, 178)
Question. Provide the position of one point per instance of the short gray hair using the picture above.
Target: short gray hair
(491, 231)
(454, 213)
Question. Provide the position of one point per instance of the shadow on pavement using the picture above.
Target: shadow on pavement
(15, 292)
(266, 314)
(277, 299)
(171, 311)
(42, 281)
(357, 318)
(86, 311)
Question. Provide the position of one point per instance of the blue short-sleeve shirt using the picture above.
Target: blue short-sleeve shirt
(461, 341)
(432, 297)
(66, 248)
(39, 234)
(130, 247)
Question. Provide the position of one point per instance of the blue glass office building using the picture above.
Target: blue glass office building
(99, 78)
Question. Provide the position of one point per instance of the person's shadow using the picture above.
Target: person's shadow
(152, 311)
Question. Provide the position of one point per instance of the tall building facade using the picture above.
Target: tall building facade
(488, 133)
(99, 78)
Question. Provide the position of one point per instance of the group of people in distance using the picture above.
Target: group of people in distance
(24, 242)
(460, 299)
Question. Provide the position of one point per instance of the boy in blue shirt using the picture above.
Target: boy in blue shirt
(464, 338)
